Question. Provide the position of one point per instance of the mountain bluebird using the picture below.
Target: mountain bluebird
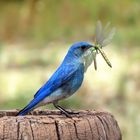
(66, 80)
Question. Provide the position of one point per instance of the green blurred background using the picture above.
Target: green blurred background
(35, 36)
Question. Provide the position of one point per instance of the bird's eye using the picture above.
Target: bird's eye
(83, 48)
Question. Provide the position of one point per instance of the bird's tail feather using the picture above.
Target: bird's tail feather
(24, 111)
(29, 107)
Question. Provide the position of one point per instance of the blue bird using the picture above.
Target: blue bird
(65, 81)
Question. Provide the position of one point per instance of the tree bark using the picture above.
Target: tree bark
(52, 125)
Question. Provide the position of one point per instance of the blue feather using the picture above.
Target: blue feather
(67, 78)
(57, 80)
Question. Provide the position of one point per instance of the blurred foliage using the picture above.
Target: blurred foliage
(42, 21)
(35, 36)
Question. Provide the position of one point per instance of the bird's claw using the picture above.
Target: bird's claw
(72, 113)
(69, 113)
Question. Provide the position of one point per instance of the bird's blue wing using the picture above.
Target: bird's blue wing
(60, 77)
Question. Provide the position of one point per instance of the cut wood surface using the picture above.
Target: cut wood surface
(52, 125)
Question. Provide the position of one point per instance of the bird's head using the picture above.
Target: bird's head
(79, 49)
(86, 53)
(83, 52)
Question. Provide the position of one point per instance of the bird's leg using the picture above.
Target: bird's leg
(67, 113)
(62, 109)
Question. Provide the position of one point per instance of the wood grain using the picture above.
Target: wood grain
(52, 125)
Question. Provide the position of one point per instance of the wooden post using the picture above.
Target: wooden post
(52, 125)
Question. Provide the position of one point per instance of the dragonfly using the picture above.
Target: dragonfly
(102, 38)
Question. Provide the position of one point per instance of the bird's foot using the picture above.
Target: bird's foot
(67, 113)
(71, 112)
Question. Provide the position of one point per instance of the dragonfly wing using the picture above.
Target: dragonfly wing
(98, 31)
(109, 37)
(103, 37)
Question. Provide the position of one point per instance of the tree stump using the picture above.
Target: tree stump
(52, 125)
